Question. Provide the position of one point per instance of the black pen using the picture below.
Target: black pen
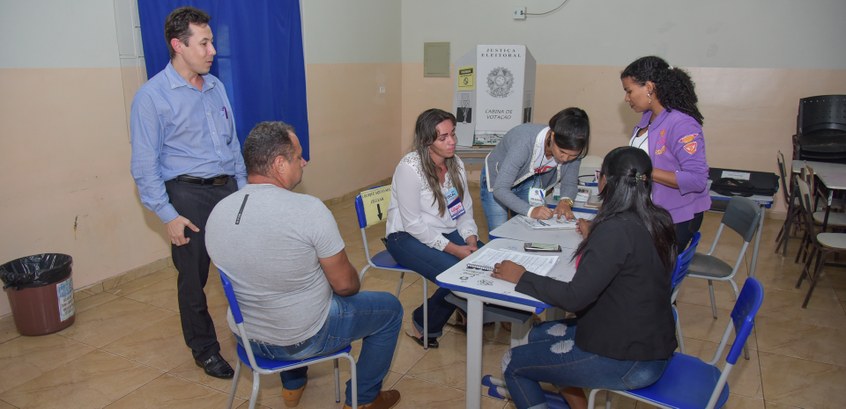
(477, 267)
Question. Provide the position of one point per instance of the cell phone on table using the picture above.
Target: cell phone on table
(542, 247)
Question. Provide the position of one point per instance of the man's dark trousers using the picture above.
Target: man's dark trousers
(195, 202)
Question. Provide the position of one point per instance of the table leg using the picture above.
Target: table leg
(473, 398)
(829, 201)
(757, 243)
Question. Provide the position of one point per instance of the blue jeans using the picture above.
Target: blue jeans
(495, 212)
(428, 262)
(552, 356)
(373, 317)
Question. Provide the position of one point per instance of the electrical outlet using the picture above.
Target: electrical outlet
(519, 13)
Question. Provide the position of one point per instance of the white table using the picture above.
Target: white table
(515, 229)
(832, 175)
(480, 288)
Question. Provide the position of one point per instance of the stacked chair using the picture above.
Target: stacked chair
(791, 199)
(821, 244)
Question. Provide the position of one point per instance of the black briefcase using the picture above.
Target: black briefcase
(733, 182)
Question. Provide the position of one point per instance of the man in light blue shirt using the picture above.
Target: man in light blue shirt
(185, 158)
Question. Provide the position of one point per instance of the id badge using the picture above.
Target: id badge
(455, 207)
(537, 196)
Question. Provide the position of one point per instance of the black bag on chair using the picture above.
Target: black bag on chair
(732, 187)
(747, 183)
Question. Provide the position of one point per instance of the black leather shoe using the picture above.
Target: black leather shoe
(216, 366)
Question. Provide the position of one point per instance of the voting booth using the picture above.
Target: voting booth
(494, 92)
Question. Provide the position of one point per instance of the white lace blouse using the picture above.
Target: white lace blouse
(413, 209)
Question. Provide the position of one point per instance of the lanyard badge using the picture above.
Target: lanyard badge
(456, 208)
(537, 196)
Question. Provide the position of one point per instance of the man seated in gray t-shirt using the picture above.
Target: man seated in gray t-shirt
(297, 290)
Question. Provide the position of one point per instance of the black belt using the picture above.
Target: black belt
(215, 181)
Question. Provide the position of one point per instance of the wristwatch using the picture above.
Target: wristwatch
(568, 201)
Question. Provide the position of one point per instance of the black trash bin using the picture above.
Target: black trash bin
(40, 290)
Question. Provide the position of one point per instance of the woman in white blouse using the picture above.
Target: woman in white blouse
(430, 220)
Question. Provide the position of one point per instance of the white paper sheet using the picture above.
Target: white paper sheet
(485, 260)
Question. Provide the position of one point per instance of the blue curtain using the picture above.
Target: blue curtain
(259, 57)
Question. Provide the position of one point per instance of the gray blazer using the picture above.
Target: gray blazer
(510, 163)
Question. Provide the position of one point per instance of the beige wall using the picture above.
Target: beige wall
(750, 113)
(66, 185)
(354, 128)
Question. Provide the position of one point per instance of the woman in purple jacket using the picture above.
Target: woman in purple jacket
(670, 131)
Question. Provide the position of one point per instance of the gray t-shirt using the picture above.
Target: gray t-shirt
(270, 250)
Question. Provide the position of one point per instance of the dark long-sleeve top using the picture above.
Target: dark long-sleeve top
(620, 293)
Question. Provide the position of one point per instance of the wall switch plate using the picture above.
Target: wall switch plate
(519, 13)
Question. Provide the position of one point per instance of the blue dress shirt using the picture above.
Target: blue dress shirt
(177, 129)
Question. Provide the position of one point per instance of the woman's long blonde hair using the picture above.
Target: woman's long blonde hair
(425, 134)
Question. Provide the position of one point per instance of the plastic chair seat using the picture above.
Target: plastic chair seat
(688, 374)
(834, 219)
(385, 261)
(832, 240)
(705, 266)
(274, 365)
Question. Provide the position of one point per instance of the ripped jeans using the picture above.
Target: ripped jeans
(552, 356)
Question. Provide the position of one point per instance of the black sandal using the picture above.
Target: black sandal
(433, 342)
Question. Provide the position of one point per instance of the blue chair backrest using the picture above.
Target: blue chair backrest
(230, 296)
(743, 315)
(683, 260)
(359, 212)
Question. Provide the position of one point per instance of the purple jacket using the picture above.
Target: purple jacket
(676, 144)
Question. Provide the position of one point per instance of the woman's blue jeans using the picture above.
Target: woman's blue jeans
(428, 262)
(496, 213)
(552, 356)
(373, 317)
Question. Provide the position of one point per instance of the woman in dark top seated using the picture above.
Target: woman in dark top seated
(624, 331)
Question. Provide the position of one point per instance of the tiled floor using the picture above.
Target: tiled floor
(125, 349)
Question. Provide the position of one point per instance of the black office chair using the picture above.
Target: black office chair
(821, 129)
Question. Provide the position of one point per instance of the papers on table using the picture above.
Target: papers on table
(487, 257)
(554, 222)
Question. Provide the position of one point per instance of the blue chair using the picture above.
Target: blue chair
(262, 366)
(371, 208)
(688, 382)
(679, 273)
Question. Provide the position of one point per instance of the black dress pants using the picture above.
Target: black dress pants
(195, 203)
(686, 230)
